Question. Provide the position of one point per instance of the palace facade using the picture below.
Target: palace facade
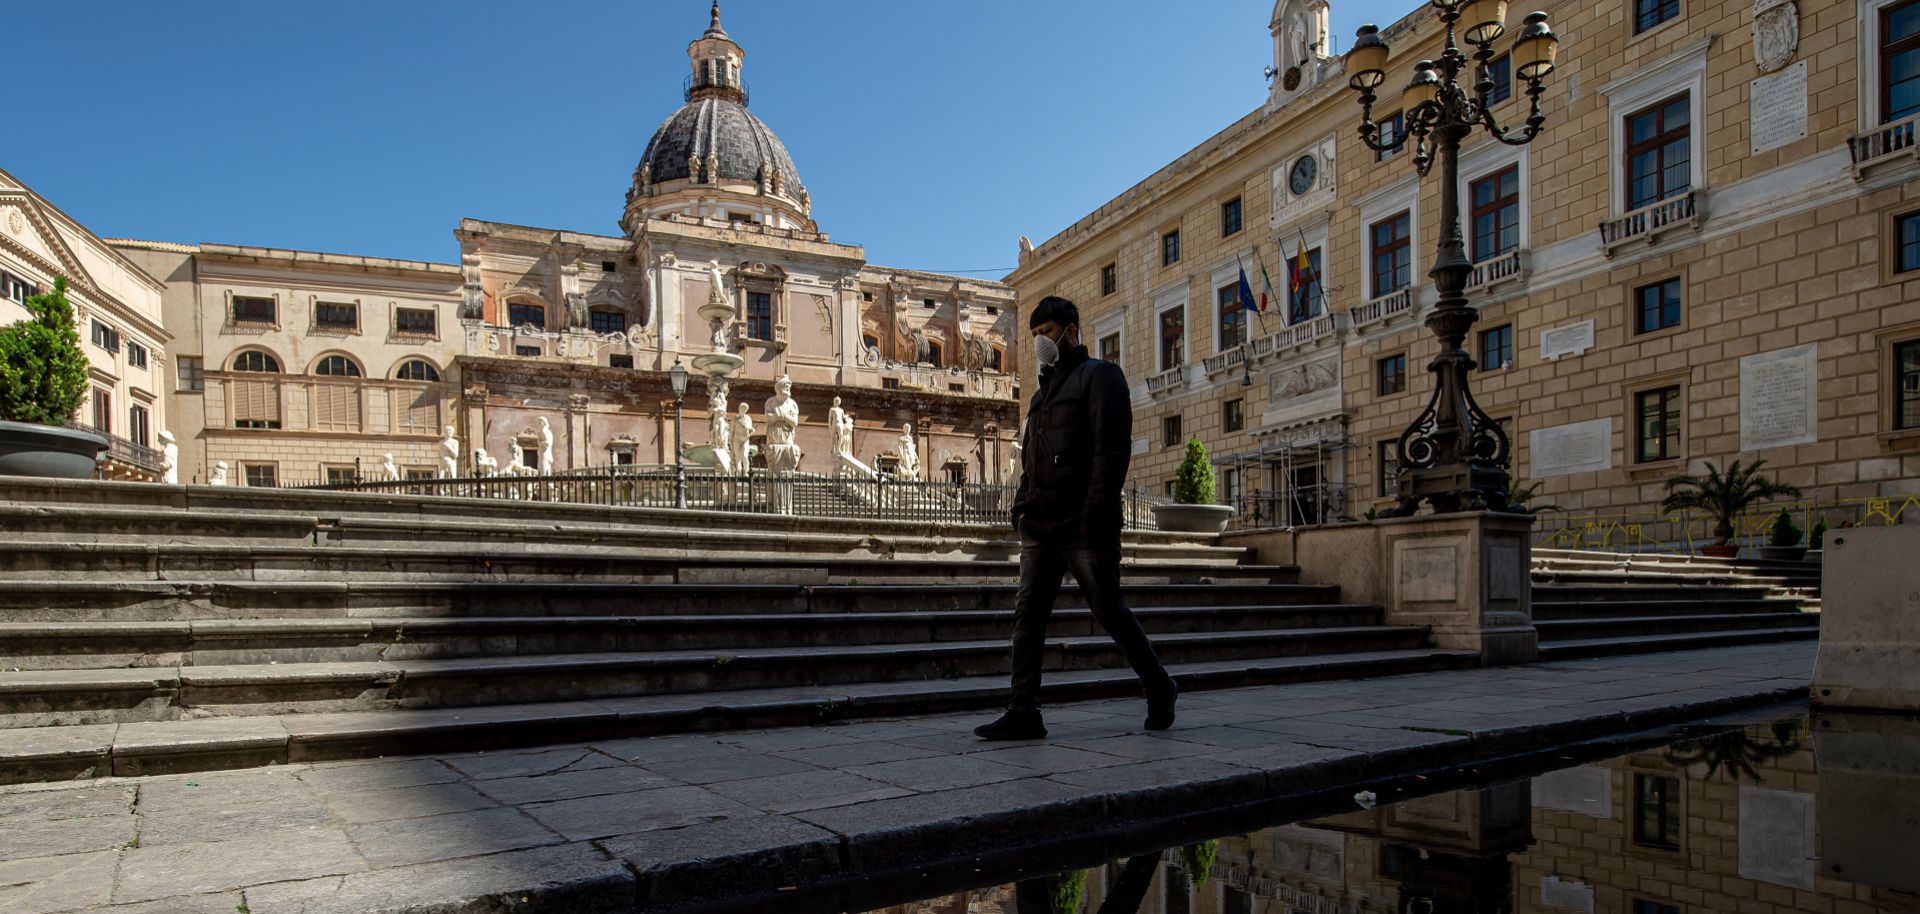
(1711, 252)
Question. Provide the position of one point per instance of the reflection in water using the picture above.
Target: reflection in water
(1718, 823)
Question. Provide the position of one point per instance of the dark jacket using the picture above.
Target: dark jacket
(1078, 442)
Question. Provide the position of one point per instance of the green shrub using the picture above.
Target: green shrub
(1193, 484)
(1818, 537)
(1066, 892)
(1782, 531)
(43, 372)
(1198, 859)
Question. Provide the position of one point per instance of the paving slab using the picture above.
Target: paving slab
(57, 883)
(569, 785)
(358, 807)
(731, 857)
(529, 763)
(806, 790)
(646, 810)
(147, 873)
(398, 842)
(575, 878)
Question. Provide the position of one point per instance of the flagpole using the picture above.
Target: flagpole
(1317, 279)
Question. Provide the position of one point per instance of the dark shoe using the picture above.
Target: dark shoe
(1017, 723)
(1160, 706)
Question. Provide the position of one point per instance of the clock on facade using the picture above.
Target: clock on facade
(1300, 180)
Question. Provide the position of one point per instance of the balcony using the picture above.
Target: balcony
(1381, 308)
(1511, 265)
(1167, 381)
(1883, 145)
(1320, 327)
(1648, 223)
(139, 458)
(1225, 361)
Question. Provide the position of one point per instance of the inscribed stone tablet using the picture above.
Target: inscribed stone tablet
(1777, 398)
(1587, 790)
(1581, 447)
(1571, 339)
(1776, 836)
(1777, 108)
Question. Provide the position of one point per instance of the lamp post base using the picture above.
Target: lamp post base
(1452, 487)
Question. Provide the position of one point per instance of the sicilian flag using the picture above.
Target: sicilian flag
(1245, 293)
(1266, 286)
(1300, 282)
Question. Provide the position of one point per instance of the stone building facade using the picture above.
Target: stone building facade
(1712, 252)
(117, 307)
(314, 366)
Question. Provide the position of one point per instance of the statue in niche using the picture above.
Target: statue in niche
(577, 318)
(783, 453)
(909, 454)
(449, 455)
(388, 468)
(741, 443)
(1297, 40)
(218, 477)
(169, 459)
(546, 447)
(484, 464)
(719, 437)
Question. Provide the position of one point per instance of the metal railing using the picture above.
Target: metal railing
(1304, 506)
(1684, 532)
(126, 451)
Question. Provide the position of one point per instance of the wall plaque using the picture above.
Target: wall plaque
(1777, 108)
(1581, 447)
(1776, 836)
(1571, 339)
(1777, 398)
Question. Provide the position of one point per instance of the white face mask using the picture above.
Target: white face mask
(1046, 351)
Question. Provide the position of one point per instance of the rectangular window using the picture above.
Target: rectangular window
(526, 350)
(1656, 811)
(1900, 61)
(1643, 906)
(418, 473)
(137, 428)
(1173, 337)
(1649, 13)
(1233, 415)
(760, 315)
(1906, 384)
(413, 320)
(1392, 254)
(1235, 901)
(1656, 432)
(102, 411)
(1393, 134)
(1496, 213)
(190, 373)
(520, 314)
(136, 355)
(1387, 464)
(1110, 348)
(1659, 153)
(889, 383)
(1656, 306)
(261, 474)
(1230, 217)
(1233, 320)
(106, 337)
(1390, 375)
(16, 289)
(993, 359)
(1500, 73)
(1305, 294)
(608, 266)
(619, 361)
(336, 315)
(934, 354)
(1170, 248)
(1170, 431)
(607, 322)
(1496, 348)
(1909, 240)
(342, 476)
(253, 309)
(1109, 279)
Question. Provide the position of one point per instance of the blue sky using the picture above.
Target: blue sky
(934, 134)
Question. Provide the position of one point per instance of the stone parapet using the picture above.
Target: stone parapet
(1870, 620)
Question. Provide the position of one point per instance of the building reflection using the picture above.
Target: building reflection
(1726, 822)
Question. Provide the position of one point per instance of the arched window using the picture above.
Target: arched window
(933, 353)
(416, 370)
(255, 360)
(870, 341)
(602, 320)
(520, 312)
(336, 366)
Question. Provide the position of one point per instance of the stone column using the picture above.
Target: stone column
(577, 452)
(474, 422)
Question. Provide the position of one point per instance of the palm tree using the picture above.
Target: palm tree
(1723, 496)
(1519, 499)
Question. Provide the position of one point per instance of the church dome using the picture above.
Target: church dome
(728, 143)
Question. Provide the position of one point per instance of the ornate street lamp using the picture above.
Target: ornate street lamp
(1454, 456)
(677, 376)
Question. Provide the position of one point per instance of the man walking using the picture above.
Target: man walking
(1073, 464)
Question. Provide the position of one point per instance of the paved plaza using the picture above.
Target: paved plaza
(653, 821)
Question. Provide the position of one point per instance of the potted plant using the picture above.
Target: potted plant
(1817, 538)
(43, 378)
(1723, 497)
(1783, 540)
(1520, 499)
(1193, 510)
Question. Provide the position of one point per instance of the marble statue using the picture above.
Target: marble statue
(387, 466)
(219, 475)
(484, 464)
(546, 447)
(718, 433)
(742, 441)
(840, 425)
(450, 455)
(909, 454)
(1013, 465)
(169, 459)
(783, 452)
(719, 290)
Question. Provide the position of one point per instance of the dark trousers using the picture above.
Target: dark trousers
(1094, 561)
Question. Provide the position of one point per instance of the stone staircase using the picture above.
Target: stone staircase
(1589, 604)
(148, 628)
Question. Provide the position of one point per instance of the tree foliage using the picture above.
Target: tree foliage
(1193, 484)
(43, 372)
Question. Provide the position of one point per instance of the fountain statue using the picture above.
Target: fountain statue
(783, 452)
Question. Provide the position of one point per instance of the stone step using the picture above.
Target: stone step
(132, 749)
(59, 698)
(1574, 608)
(205, 561)
(1646, 644)
(1555, 630)
(1630, 591)
(97, 645)
(58, 600)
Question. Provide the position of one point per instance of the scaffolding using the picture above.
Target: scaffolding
(1305, 467)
